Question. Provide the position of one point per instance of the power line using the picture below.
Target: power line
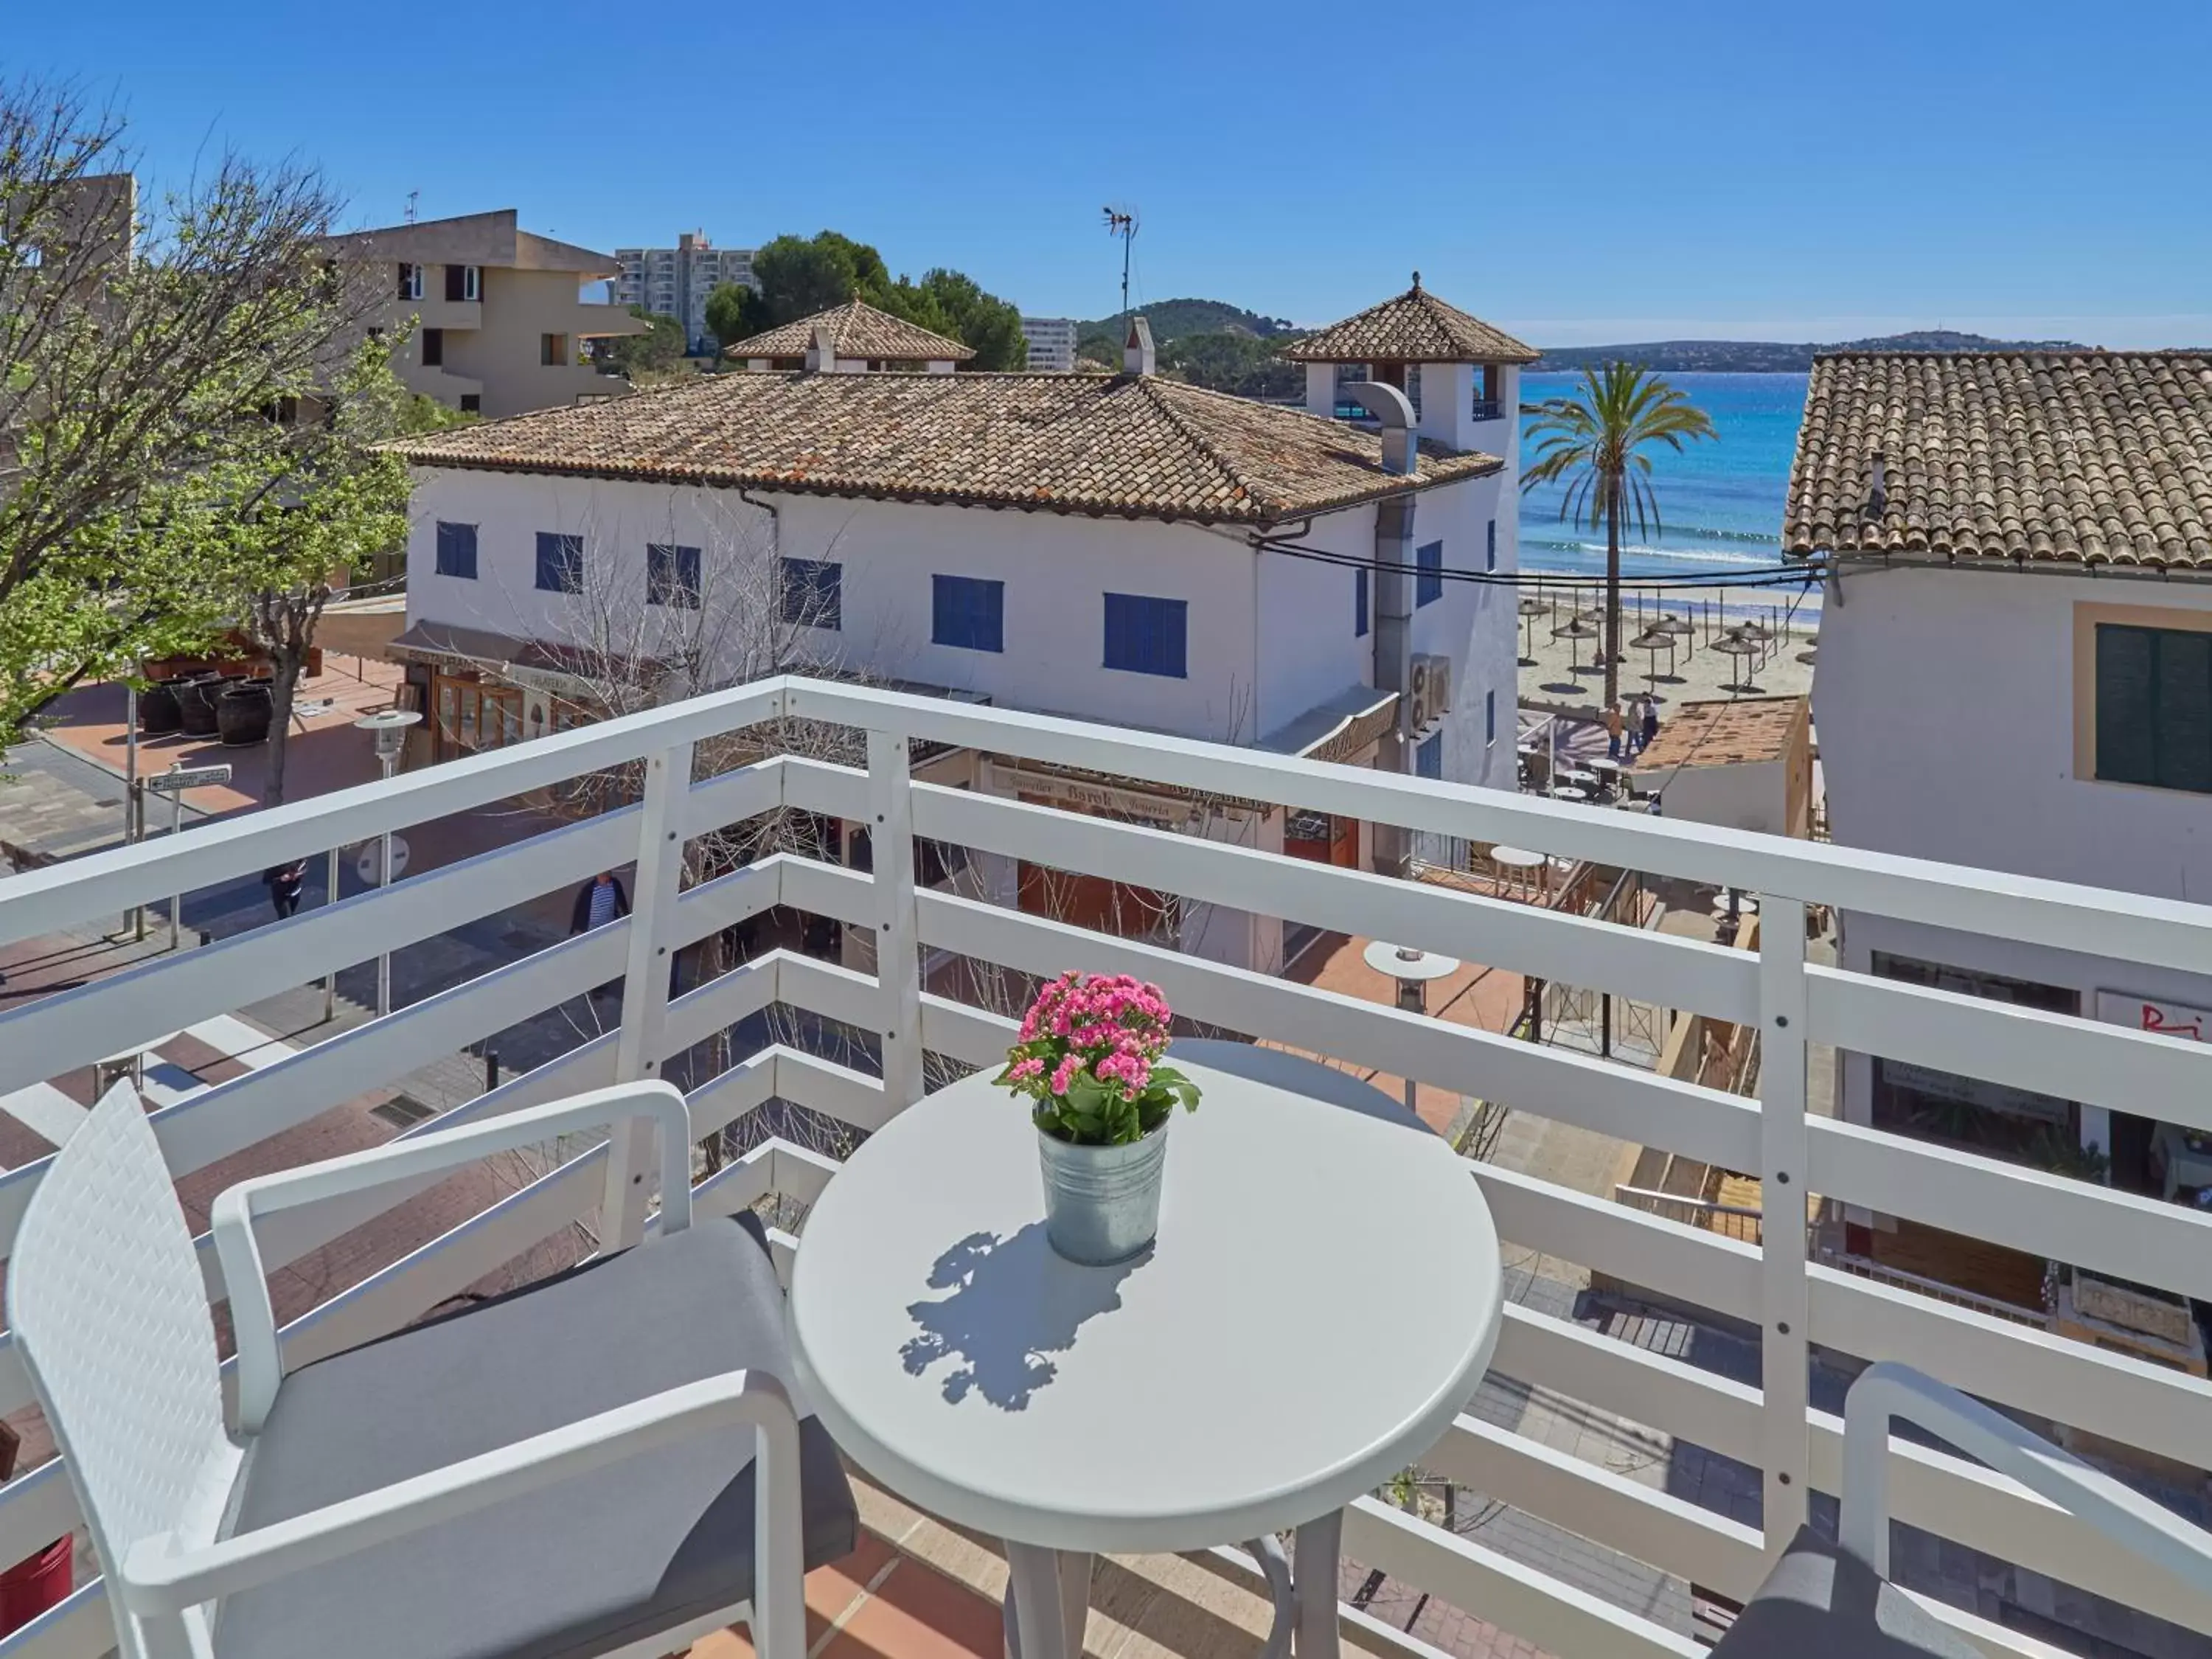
(1778, 575)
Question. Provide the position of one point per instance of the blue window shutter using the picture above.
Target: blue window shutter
(1490, 717)
(967, 612)
(1428, 573)
(814, 593)
(1429, 757)
(1490, 551)
(672, 576)
(560, 563)
(457, 551)
(1147, 635)
(1359, 605)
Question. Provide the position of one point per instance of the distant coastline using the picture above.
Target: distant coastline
(1776, 357)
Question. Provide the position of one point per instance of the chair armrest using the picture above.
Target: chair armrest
(253, 1320)
(158, 1579)
(2120, 1513)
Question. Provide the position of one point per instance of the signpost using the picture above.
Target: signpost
(174, 783)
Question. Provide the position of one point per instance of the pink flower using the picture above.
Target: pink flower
(1063, 1079)
(1024, 1070)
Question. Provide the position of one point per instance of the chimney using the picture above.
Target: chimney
(822, 356)
(1138, 356)
(1877, 501)
(1393, 573)
(1394, 411)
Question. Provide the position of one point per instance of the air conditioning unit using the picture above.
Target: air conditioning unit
(1431, 689)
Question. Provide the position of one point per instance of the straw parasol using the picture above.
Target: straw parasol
(1652, 641)
(1577, 628)
(1530, 608)
(1735, 645)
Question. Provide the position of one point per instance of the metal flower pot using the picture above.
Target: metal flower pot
(1102, 1204)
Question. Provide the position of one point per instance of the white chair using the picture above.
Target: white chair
(1824, 1601)
(567, 1470)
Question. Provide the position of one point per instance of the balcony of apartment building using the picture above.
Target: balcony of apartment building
(1660, 1407)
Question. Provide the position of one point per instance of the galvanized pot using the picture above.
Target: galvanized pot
(1102, 1204)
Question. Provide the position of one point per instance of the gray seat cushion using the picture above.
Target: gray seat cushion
(1820, 1602)
(575, 1569)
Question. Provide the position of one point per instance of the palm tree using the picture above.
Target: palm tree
(1595, 442)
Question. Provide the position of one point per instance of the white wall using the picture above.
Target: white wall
(1753, 795)
(1945, 702)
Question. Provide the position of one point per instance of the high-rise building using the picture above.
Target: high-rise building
(675, 281)
(1051, 342)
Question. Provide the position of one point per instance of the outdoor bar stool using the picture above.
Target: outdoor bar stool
(607, 1462)
(1824, 1601)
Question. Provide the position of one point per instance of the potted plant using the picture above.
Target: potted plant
(242, 712)
(1089, 1056)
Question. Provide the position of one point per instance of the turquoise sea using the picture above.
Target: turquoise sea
(1720, 502)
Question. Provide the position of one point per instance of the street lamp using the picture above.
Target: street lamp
(1413, 969)
(389, 728)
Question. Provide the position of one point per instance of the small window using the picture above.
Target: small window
(560, 563)
(968, 613)
(1429, 757)
(433, 348)
(1145, 636)
(553, 350)
(1428, 573)
(464, 283)
(1489, 718)
(2154, 706)
(472, 403)
(671, 576)
(1490, 547)
(457, 551)
(411, 281)
(1360, 582)
(814, 593)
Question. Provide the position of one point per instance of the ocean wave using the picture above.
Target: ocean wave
(1710, 555)
(1675, 532)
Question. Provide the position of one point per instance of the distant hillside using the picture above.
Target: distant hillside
(1171, 319)
(1770, 357)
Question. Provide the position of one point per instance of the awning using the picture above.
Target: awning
(362, 628)
(1338, 728)
(543, 663)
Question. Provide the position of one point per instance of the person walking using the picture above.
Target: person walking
(1635, 725)
(1649, 727)
(599, 901)
(1614, 727)
(283, 882)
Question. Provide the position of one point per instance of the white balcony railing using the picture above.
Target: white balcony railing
(1769, 1286)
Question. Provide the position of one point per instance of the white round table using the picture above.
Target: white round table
(1522, 861)
(1226, 1385)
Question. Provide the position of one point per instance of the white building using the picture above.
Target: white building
(2017, 673)
(1119, 547)
(849, 339)
(1051, 341)
(675, 281)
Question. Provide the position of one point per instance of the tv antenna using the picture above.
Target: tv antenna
(1123, 223)
(413, 196)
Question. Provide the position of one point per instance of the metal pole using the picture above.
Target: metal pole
(137, 919)
(176, 900)
(1412, 998)
(330, 979)
(384, 880)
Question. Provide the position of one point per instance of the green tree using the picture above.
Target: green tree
(138, 349)
(1597, 443)
(300, 517)
(801, 275)
(988, 326)
(657, 351)
(734, 312)
(1241, 364)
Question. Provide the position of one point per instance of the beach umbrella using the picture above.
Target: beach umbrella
(1576, 628)
(1530, 608)
(1653, 641)
(1740, 647)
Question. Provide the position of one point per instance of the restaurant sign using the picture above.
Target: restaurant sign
(2175, 1019)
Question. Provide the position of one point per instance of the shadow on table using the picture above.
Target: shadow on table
(1015, 1302)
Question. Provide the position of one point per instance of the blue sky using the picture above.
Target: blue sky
(1587, 172)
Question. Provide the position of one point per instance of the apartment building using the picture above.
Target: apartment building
(675, 281)
(498, 322)
(1098, 545)
(1051, 341)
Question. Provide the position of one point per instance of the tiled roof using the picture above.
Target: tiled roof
(1734, 732)
(857, 330)
(1070, 443)
(1415, 328)
(2096, 457)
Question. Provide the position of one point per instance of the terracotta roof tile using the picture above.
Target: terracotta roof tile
(857, 330)
(1415, 328)
(2097, 458)
(1069, 443)
(1738, 732)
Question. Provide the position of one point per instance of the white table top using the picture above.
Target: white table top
(1323, 1299)
(1568, 792)
(1515, 858)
